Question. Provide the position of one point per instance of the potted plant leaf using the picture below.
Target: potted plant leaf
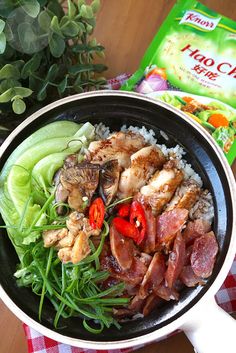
(46, 52)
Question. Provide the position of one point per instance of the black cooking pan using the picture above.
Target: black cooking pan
(115, 110)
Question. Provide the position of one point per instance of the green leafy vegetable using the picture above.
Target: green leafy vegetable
(39, 53)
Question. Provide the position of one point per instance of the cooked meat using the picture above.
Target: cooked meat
(120, 146)
(67, 241)
(80, 181)
(77, 222)
(154, 275)
(65, 254)
(143, 164)
(122, 313)
(81, 248)
(148, 245)
(195, 229)
(161, 187)
(168, 224)
(51, 237)
(188, 277)
(72, 242)
(151, 303)
(136, 304)
(166, 293)
(204, 254)
(109, 180)
(145, 258)
(185, 196)
(122, 248)
(133, 275)
(176, 261)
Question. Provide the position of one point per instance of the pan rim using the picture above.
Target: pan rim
(167, 329)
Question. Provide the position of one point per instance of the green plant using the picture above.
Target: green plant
(46, 51)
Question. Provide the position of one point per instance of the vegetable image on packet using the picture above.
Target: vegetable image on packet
(191, 64)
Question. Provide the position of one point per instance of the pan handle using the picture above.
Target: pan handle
(211, 329)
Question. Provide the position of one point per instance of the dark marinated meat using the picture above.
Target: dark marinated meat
(154, 275)
(148, 245)
(188, 277)
(143, 164)
(81, 182)
(109, 180)
(185, 196)
(122, 248)
(151, 303)
(169, 223)
(122, 313)
(188, 253)
(120, 146)
(145, 258)
(176, 261)
(161, 187)
(132, 276)
(195, 229)
(205, 249)
(136, 304)
(166, 293)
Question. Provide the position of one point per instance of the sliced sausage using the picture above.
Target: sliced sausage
(203, 255)
(122, 248)
(188, 277)
(154, 275)
(195, 229)
(176, 261)
(169, 223)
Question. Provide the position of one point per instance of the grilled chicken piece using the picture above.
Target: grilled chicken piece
(81, 182)
(109, 180)
(67, 241)
(185, 196)
(161, 187)
(81, 248)
(78, 251)
(64, 254)
(143, 165)
(120, 146)
(51, 237)
(73, 241)
(78, 222)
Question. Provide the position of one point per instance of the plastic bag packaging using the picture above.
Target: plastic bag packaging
(191, 64)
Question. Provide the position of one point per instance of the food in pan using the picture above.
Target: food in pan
(107, 226)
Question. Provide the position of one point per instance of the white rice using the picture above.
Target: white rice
(204, 207)
(101, 131)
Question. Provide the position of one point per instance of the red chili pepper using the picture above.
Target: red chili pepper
(125, 228)
(96, 213)
(123, 210)
(138, 218)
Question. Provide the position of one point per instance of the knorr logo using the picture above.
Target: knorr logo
(197, 19)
